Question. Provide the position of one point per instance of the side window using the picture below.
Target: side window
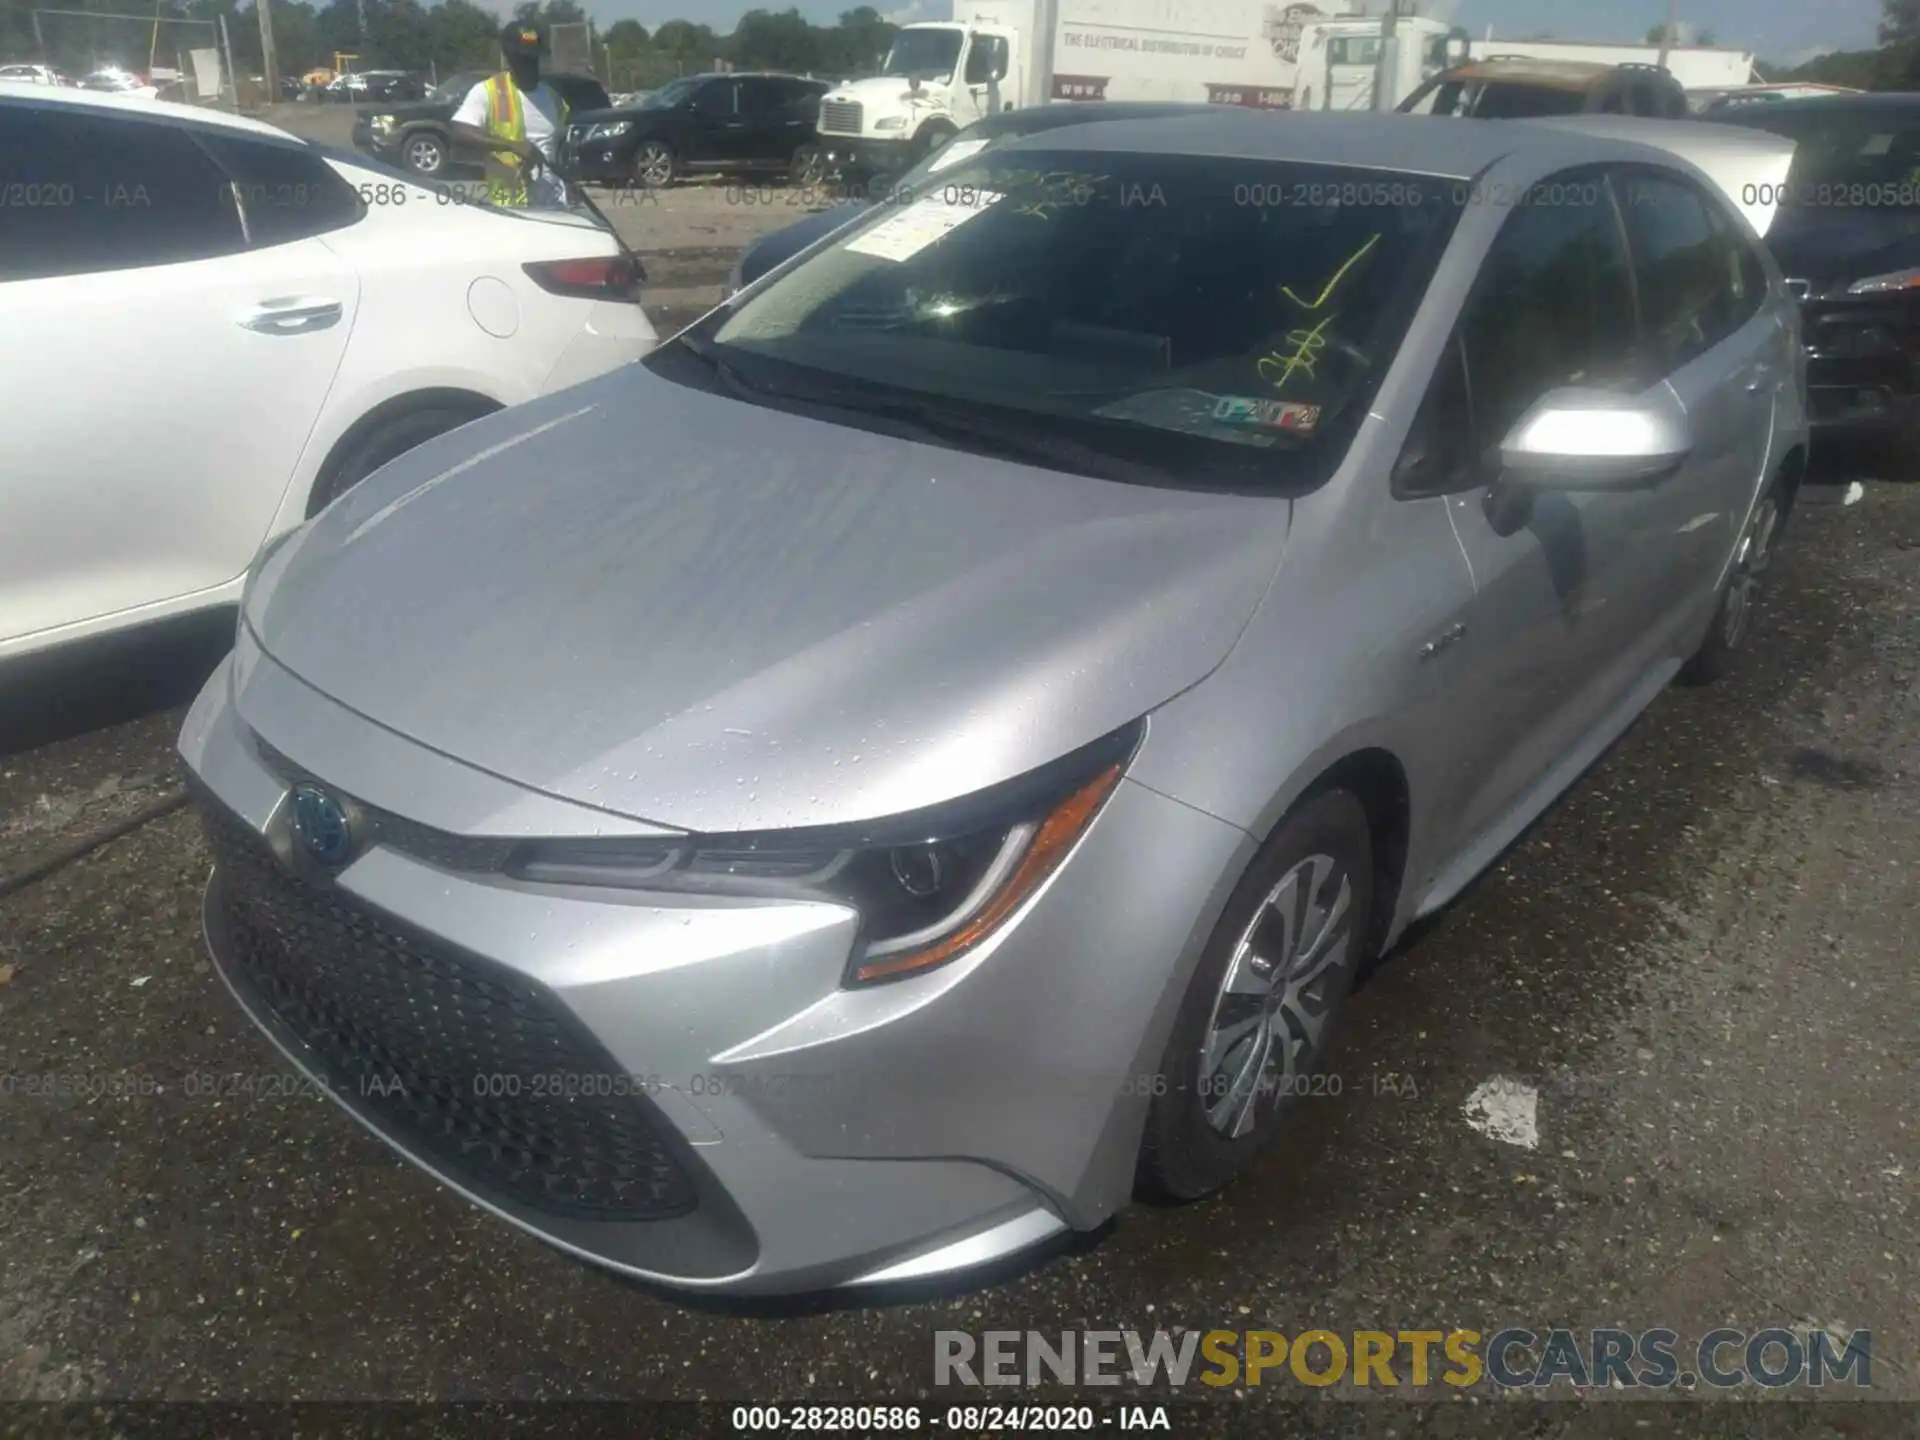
(1682, 266)
(759, 96)
(1746, 275)
(104, 193)
(1553, 305)
(715, 98)
(987, 59)
(286, 191)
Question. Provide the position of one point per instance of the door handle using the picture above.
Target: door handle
(1446, 637)
(293, 317)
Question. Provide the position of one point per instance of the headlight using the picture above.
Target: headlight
(609, 129)
(928, 886)
(1881, 284)
(381, 124)
(891, 122)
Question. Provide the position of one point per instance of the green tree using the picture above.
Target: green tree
(766, 41)
(1899, 21)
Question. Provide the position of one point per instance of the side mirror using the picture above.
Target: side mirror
(1579, 439)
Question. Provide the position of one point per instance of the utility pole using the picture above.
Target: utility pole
(267, 57)
(1384, 67)
(226, 48)
(1046, 25)
(1667, 35)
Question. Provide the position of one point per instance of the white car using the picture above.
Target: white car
(30, 75)
(213, 329)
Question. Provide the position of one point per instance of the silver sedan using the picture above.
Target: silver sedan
(922, 758)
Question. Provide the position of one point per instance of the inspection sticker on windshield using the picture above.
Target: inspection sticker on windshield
(908, 231)
(1293, 415)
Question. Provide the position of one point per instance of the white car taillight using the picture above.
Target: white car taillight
(604, 277)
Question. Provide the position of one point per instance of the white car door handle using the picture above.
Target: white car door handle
(293, 317)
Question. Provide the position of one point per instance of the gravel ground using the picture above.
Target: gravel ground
(1702, 959)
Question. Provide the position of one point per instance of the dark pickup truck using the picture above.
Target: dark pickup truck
(418, 135)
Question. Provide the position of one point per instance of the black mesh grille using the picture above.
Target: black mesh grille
(481, 1071)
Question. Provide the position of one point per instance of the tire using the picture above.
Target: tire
(654, 165)
(424, 152)
(386, 441)
(808, 169)
(1733, 613)
(1198, 1135)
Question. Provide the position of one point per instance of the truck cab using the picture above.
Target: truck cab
(1340, 59)
(937, 80)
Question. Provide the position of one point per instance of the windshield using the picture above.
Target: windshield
(923, 55)
(668, 95)
(1192, 316)
(1846, 158)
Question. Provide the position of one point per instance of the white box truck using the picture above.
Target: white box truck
(941, 77)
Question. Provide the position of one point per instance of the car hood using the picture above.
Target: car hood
(714, 616)
(1831, 247)
(636, 113)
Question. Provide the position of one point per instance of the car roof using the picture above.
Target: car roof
(1412, 144)
(134, 105)
(1559, 74)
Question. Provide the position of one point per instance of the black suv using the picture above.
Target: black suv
(419, 136)
(741, 123)
(1847, 239)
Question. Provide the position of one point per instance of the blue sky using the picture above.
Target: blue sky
(1780, 30)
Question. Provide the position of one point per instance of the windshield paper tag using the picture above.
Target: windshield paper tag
(1291, 415)
(955, 152)
(906, 233)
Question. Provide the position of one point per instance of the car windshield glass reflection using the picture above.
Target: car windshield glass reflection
(1219, 307)
(1848, 160)
(923, 55)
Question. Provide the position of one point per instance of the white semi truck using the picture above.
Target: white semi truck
(941, 77)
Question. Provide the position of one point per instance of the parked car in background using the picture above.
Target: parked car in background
(1711, 101)
(1518, 88)
(739, 123)
(112, 80)
(780, 245)
(418, 135)
(1848, 240)
(958, 717)
(304, 317)
(385, 85)
(32, 75)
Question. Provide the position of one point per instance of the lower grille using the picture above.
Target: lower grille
(482, 1072)
(840, 117)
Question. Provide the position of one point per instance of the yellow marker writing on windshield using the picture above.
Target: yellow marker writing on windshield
(1307, 345)
(1338, 275)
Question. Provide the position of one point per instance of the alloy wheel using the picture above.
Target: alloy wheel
(654, 164)
(1279, 991)
(1755, 554)
(424, 155)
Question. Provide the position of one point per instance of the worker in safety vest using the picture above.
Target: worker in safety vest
(519, 120)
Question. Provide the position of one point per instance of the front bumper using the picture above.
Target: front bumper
(846, 153)
(1863, 364)
(601, 162)
(789, 1134)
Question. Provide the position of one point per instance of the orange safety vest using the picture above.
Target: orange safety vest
(507, 120)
